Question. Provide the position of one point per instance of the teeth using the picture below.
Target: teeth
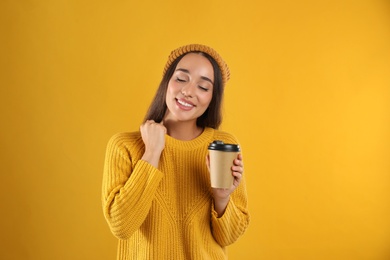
(184, 103)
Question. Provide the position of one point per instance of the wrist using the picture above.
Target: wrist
(220, 205)
(152, 153)
(152, 157)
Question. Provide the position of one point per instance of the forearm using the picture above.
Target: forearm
(127, 205)
(152, 157)
(231, 225)
(220, 205)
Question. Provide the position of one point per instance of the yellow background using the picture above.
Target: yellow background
(308, 100)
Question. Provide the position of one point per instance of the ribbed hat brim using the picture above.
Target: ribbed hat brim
(202, 48)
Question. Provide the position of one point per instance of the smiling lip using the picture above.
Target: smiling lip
(184, 104)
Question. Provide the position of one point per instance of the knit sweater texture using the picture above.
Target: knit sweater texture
(167, 212)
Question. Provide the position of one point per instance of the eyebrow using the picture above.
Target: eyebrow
(202, 77)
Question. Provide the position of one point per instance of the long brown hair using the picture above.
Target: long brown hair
(212, 117)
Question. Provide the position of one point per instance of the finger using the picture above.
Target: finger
(237, 179)
(163, 127)
(238, 162)
(237, 169)
(237, 175)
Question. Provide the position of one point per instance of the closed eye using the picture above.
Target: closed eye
(203, 88)
(180, 80)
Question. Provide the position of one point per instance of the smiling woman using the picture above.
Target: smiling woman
(157, 197)
(189, 91)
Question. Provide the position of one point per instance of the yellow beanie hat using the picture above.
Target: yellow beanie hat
(202, 48)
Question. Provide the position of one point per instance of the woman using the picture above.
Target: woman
(156, 196)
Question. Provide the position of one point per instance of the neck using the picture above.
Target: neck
(184, 131)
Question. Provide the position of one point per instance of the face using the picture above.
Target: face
(190, 88)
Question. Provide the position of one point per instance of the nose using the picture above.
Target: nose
(187, 90)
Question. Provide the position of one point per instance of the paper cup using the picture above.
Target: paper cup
(221, 161)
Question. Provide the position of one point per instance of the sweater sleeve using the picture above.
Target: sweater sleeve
(235, 220)
(127, 192)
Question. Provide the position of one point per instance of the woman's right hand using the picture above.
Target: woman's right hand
(153, 136)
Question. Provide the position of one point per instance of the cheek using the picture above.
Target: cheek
(206, 98)
(173, 88)
(170, 89)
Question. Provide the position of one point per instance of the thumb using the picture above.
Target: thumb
(162, 124)
(208, 162)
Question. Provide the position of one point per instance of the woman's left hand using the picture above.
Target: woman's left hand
(221, 196)
(237, 171)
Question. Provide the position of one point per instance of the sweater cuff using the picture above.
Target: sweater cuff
(145, 175)
(229, 211)
(230, 226)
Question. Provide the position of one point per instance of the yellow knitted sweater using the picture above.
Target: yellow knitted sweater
(167, 213)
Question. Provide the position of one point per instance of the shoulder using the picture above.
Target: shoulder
(225, 137)
(126, 140)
